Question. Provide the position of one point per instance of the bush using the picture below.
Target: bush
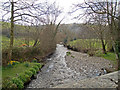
(91, 53)
(27, 64)
(24, 77)
(6, 83)
(32, 51)
(33, 70)
(34, 60)
(20, 53)
(16, 62)
(39, 65)
(18, 82)
(36, 68)
(29, 73)
(17, 52)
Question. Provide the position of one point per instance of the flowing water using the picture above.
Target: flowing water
(56, 71)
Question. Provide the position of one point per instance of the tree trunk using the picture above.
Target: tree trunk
(103, 46)
(114, 42)
(11, 31)
(111, 19)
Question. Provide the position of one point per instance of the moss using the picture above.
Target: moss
(72, 56)
(68, 53)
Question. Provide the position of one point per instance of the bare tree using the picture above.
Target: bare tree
(17, 13)
(100, 28)
(110, 10)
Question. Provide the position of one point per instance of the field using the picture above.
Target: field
(17, 42)
(86, 43)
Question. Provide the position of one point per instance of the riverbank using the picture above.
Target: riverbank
(105, 81)
(64, 67)
(89, 66)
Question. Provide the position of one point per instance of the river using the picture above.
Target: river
(56, 71)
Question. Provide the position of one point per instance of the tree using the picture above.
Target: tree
(17, 13)
(49, 25)
(100, 29)
(110, 10)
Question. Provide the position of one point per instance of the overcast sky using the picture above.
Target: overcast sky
(66, 5)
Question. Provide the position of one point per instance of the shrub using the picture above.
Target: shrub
(36, 68)
(21, 60)
(18, 82)
(32, 51)
(33, 70)
(29, 73)
(17, 52)
(6, 83)
(91, 53)
(24, 77)
(16, 62)
(34, 60)
(27, 64)
(39, 65)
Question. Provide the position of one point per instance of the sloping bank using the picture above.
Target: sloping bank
(18, 75)
(105, 81)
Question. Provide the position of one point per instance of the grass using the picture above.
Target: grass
(17, 42)
(16, 74)
(86, 43)
(109, 56)
(91, 44)
(16, 70)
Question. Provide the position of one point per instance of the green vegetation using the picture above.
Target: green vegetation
(73, 56)
(109, 56)
(86, 43)
(11, 72)
(16, 76)
(93, 47)
(20, 50)
(68, 53)
(18, 42)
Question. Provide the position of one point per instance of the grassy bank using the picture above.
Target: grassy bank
(109, 56)
(16, 74)
(93, 47)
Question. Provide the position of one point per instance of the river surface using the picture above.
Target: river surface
(56, 71)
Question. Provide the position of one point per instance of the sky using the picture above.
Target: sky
(66, 5)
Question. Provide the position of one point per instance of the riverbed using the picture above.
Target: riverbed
(62, 69)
